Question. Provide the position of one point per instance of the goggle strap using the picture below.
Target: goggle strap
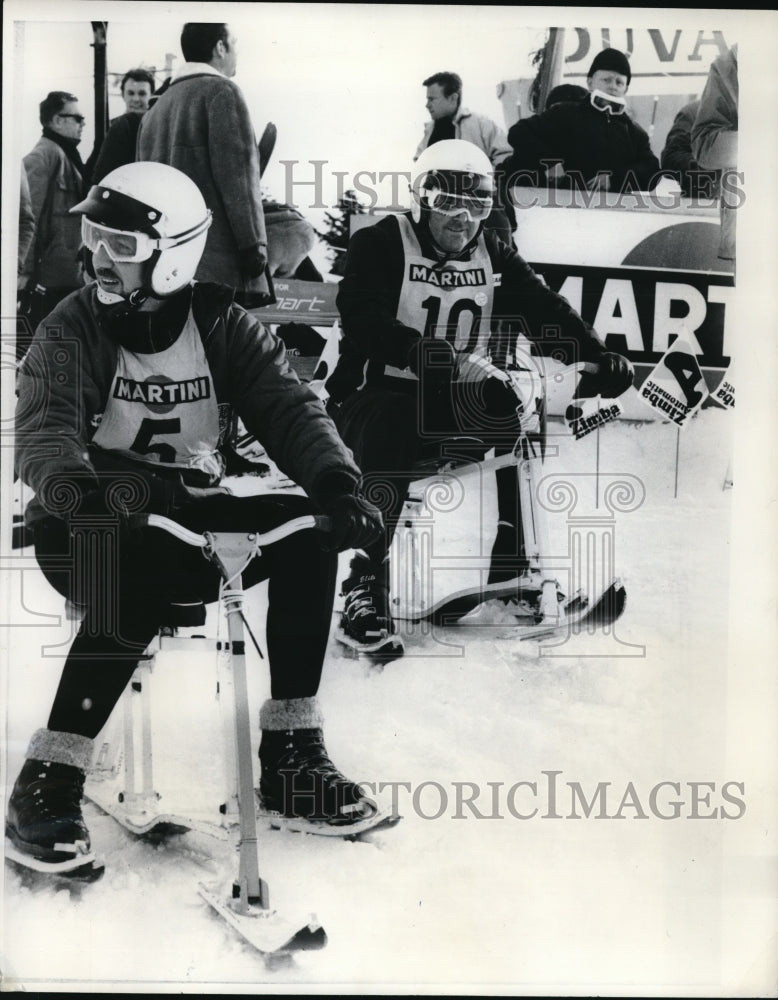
(158, 242)
(190, 234)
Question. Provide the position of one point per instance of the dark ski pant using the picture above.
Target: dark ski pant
(127, 580)
(391, 431)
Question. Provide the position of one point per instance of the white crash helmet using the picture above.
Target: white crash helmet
(452, 175)
(148, 211)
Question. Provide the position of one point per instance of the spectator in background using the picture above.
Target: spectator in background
(520, 133)
(449, 120)
(565, 92)
(26, 230)
(55, 172)
(201, 125)
(137, 88)
(160, 91)
(119, 144)
(714, 136)
(592, 143)
(677, 156)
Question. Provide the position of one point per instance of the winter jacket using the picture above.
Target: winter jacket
(66, 376)
(587, 141)
(26, 222)
(677, 157)
(475, 128)
(55, 187)
(118, 146)
(677, 154)
(368, 299)
(201, 126)
(715, 134)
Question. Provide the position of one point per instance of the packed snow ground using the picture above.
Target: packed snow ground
(538, 905)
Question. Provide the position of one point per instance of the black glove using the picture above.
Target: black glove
(81, 498)
(355, 522)
(613, 376)
(302, 339)
(129, 495)
(432, 361)
(253, 260)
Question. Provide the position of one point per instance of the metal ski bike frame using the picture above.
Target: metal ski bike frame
(247, 908)
(552, 616)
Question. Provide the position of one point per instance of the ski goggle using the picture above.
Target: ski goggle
(477, 208)
(131, 247)
(607, 103)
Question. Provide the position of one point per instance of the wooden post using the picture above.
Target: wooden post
(551, 70)
(100, 45)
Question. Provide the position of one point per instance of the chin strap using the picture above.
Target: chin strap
(118, 306)
(446, 255)
(108, 298)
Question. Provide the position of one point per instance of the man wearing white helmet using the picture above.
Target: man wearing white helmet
(420, 359)
(126, 398)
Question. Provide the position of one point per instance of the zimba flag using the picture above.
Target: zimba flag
(585, 415)
(676, 387)
(725, 394)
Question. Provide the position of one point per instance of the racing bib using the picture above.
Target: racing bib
(162, 408)
(452, 301)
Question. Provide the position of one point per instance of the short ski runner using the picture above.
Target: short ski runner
(126, 410)
(431, 305)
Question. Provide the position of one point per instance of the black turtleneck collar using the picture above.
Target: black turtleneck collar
(68, 146)
(431, 249)
(443, 128)
(148, 332)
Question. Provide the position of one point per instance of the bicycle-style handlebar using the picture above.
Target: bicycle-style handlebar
(318, 521)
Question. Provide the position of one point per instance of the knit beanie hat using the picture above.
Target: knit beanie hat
(611, 59)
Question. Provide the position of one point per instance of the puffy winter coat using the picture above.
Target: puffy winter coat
(715, 135)
(475, 128)
(67, 374)
(587, 141)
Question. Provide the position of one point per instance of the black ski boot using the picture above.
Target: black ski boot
(44, 825)
(366, 623)
(300, 787)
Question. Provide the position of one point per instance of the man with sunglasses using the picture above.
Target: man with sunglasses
(431, 303)
(591, 143)
(55, 173)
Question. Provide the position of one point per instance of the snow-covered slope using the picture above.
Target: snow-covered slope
(621, 900)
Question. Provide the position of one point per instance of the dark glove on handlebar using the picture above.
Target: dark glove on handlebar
(95, 496)
(613, 377)
(130, 495)
(433, 361)
(355, 523)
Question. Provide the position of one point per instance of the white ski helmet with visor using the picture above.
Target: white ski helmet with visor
(148, 212)
(453, 176)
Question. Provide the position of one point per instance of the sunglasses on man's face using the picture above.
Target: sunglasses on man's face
(79, 118)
